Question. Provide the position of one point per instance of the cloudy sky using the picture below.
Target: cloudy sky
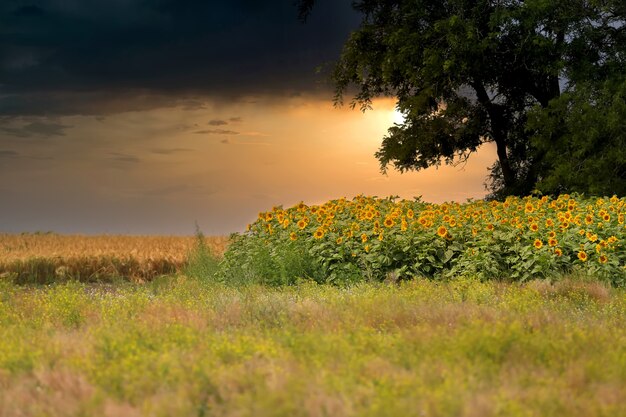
(146, 116)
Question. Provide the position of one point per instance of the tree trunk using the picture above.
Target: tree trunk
(498, 132)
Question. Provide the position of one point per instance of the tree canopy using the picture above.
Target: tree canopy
(543, 80)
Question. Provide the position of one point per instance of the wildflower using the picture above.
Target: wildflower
(534, 227)
(582, 255)
(442, 231)
(552, 242)
(538, 244)
(389, 222)
(319, 233)
(301, 224)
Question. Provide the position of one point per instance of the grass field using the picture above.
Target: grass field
(180, 347)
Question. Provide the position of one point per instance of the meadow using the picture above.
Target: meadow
(178, 346)
(362, 307)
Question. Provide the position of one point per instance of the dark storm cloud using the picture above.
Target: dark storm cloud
(78, 56)
(216, 132)
(122, 157)
(7, 154)
(169, 151)
(36, 128)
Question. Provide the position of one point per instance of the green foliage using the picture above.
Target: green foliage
(469, 72)
(202, 263)
(582, 137)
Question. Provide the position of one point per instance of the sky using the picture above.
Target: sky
(151, 116)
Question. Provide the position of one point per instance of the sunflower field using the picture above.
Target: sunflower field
(369, 238)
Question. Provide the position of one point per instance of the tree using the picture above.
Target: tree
(467, 72)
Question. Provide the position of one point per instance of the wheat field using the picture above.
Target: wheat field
(48, 257)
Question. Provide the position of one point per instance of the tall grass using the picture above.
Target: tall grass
(179, 346)
(202, 263)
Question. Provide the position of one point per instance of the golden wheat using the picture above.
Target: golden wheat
(49, 257)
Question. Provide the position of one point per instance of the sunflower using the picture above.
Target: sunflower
(534, 227)
(552, 234)
(301, 224)
(582, 255)
(603, 259)
(490, 227)
(319, 233)
(363, 238)
(442, 231)
(293, 236)
(588, 219)
(389, 222)
(552, 242)
(538, 244)
(339, 240)
(410, 214)
(549, 223)
(558, 252)
(529, 208)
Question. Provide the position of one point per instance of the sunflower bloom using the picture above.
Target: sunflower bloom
(558, 252)
(389, 222)
(442, 231)
(293, 236)
(603, 259)
(301, 224)
(552, 242)
(582, 255)
(538, 244)
(319, 233)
